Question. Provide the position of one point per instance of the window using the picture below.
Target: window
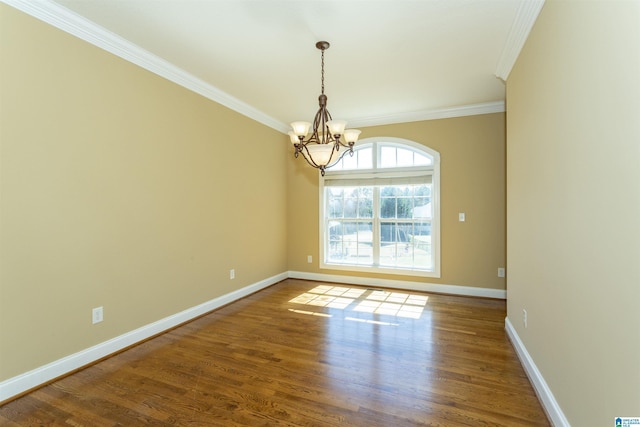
(379, 209)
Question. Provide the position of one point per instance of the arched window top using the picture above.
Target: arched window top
(387, 153)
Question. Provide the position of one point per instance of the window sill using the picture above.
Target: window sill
(380, 270)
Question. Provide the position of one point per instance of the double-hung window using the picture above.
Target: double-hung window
(379, 209)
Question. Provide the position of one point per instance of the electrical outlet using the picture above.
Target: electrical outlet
(309, 259)
(524, 318)
(232, 274)
(97, 315)
(501, 272)
(461, 217)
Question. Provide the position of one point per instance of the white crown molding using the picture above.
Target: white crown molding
(20, 384)
(444, 113)
(546, 397)
(522, 24)
(402, 284)
(66, 20)
(76, 25)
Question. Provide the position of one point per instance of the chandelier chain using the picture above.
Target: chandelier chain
(322, 75)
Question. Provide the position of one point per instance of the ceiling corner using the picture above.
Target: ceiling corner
(522, 24)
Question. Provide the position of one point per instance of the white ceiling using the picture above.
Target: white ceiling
(389, 61)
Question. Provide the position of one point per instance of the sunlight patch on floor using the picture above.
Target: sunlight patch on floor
(399, 304)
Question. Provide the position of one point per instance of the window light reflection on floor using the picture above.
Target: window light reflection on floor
(311, 313)
(399, 304)
(375, 322)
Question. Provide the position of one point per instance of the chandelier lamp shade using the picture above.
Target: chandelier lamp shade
(328, 140)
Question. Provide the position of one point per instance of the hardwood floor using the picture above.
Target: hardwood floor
(306, 353)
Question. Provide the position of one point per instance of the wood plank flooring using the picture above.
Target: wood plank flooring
(304, 353)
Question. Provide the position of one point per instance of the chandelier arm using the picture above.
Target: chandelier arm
(350, 151)
(319, 123)
(348, 145)
(330, 137)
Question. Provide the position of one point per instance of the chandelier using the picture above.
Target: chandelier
(323, 147)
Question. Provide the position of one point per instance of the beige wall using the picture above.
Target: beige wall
(123, 190)
(472, 175)
(573, 203)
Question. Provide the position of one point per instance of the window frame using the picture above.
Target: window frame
(377, 171)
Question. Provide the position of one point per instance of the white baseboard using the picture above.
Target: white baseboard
(29, 380)
(401, 284)
(549, 403)
(32, 379)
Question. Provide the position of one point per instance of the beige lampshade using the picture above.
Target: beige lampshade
(320, 154)
(351, 135)
(294, 138)
(336, 127)
(301, 128)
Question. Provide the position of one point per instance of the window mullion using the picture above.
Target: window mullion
(376, 226)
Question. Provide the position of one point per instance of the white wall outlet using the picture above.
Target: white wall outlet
(309, 259)
(461, 217)
(97, 315)
(232, 274)
(501, 272)
(524, 318)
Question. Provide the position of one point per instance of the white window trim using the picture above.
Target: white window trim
(435, 221)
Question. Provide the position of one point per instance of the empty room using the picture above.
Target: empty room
(320, 213)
